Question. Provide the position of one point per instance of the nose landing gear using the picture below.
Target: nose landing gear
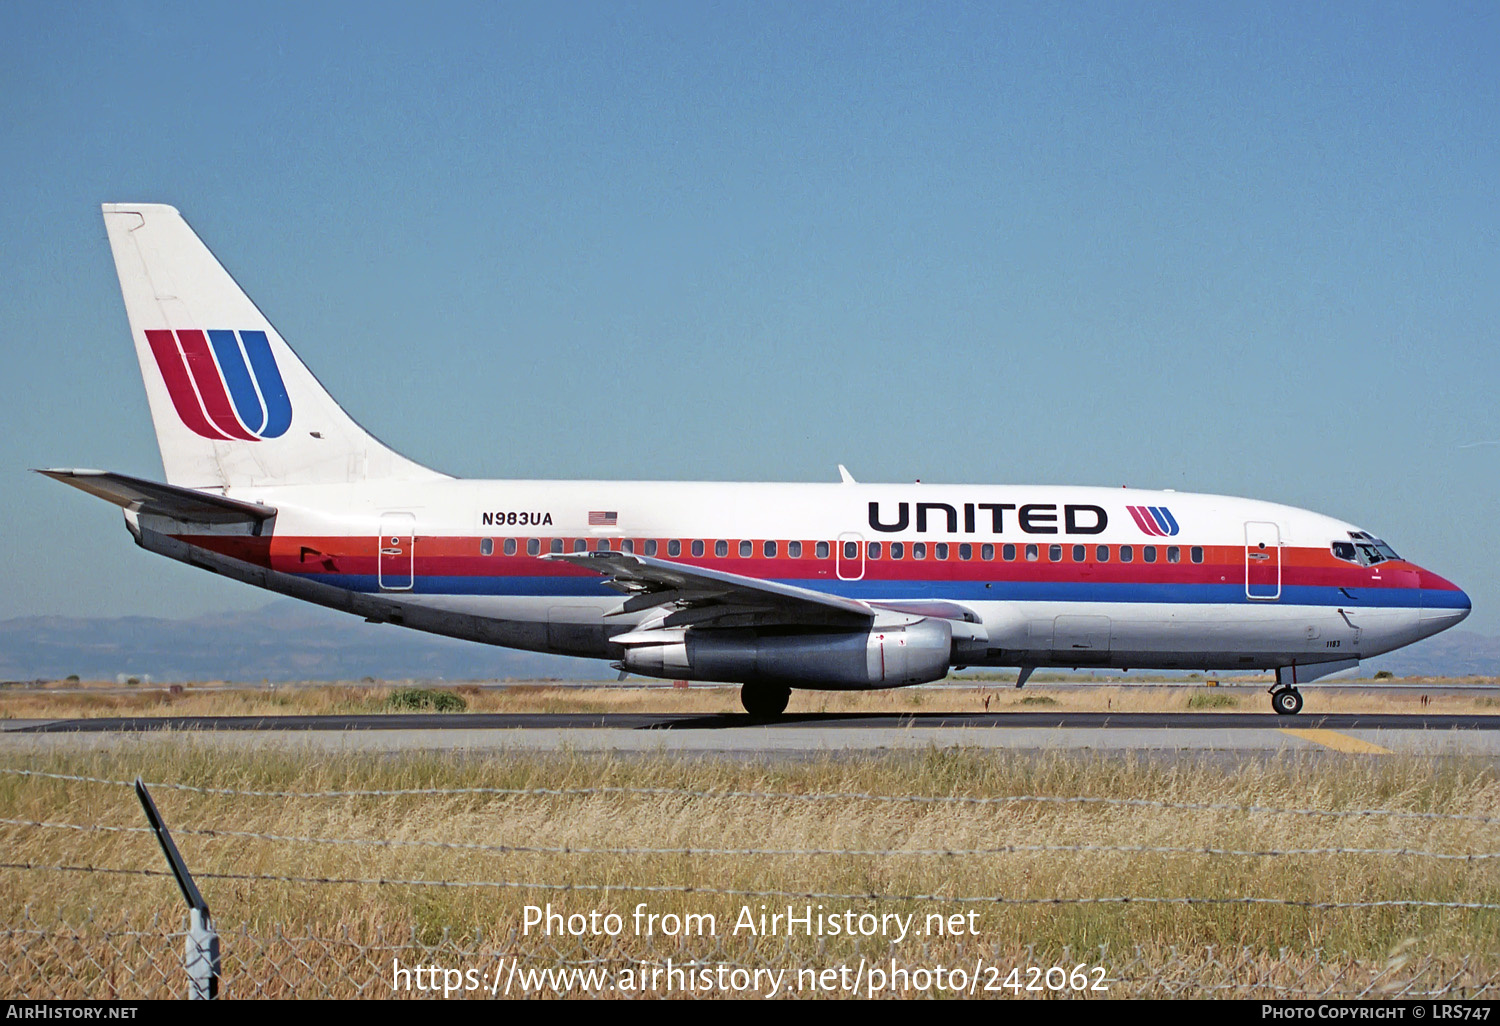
(1287, 701)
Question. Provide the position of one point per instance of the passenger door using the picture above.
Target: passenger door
(1262, 561)
(397, 545)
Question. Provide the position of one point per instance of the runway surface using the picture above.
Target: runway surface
(730, 721)
(737, 733)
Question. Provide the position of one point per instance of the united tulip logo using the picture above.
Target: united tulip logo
(1156, 521)
(224, 384)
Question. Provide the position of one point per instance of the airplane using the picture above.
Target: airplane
(840, 586)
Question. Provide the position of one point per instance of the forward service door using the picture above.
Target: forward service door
(1262, 561)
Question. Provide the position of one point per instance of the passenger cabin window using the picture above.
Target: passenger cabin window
(697, 548)
(626, 545)
(746, 548)
(486, 546)
(557, 545)
(674, 547)
(1174, 554)
(1054, 553)
(769, 550)
(966, 551)
(918, 550)
(1008, 553)
(1033, 553)
(650, 546)
(898, 550)
(820, 550)
(602, 545)
(851, 550)
(940, 550)
(1127, 553)
(794, 549)
(1080, 553)
(1148, 553)
(510, 546)
(721, 549)
(580, 544)
(533, 546)
(1101, 553)
(874, 552)
(1196, 552)
(986, 551)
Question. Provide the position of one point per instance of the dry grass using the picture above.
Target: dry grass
(96, 700)
(264, 908)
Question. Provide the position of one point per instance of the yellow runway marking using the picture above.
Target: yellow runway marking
(1339, 742)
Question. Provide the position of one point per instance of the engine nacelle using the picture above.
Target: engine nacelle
(833, 660)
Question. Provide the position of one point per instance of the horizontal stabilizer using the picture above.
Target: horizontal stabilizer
(152, 497)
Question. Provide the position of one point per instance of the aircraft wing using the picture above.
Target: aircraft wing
(152, 497)
(690, 595)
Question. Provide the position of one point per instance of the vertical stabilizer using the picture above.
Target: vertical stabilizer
(232, 404)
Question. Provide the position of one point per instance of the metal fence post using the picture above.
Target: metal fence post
(201, 957)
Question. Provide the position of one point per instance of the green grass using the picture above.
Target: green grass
(425, 700)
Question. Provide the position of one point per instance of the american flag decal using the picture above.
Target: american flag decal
(599, 518)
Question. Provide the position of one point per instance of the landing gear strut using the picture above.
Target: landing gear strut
(764, 701)
(1287, 701)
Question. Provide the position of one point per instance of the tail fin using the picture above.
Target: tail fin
(231, 402)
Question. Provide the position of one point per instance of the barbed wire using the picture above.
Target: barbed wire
(991, 899)
(1008, 849)
(571, 792)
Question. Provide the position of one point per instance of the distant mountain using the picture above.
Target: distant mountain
(1450, 654)
(285, 640)
(289, 640)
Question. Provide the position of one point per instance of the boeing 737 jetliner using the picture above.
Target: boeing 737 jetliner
(772, 586)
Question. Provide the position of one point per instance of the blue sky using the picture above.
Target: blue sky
(1241, 248)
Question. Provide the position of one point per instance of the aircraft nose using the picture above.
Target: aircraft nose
(1443, 603)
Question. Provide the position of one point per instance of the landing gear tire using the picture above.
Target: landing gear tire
(764, 701)
(1286, 701)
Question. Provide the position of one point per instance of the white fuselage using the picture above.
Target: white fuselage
(1056, 576)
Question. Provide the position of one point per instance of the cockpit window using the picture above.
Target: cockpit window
(1365, 549)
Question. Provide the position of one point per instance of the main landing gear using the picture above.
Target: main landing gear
(1286, 700)
(764, 701)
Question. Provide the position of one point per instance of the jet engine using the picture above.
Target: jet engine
(883, 657)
